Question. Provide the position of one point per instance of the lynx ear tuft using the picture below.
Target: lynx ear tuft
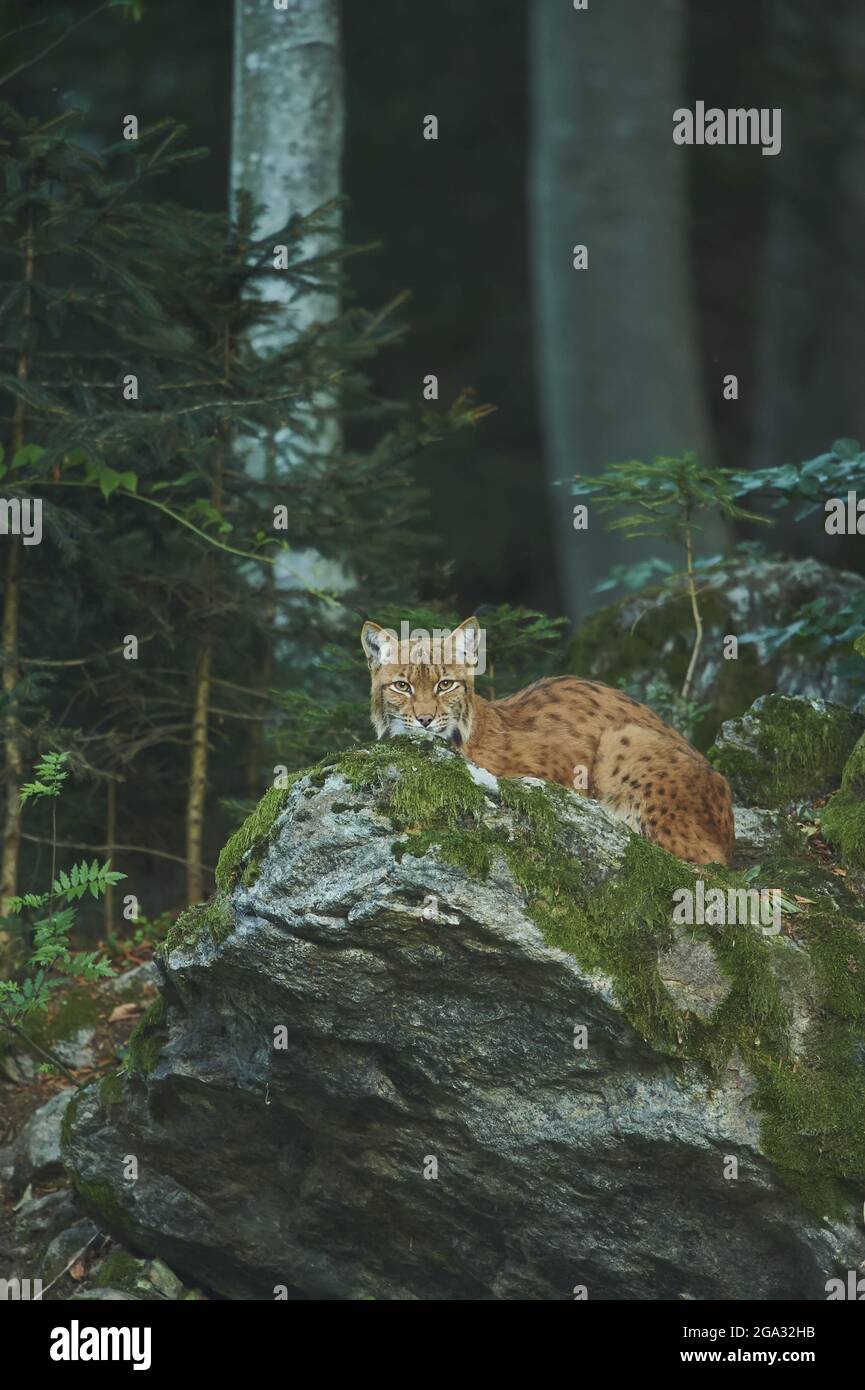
(374, 640)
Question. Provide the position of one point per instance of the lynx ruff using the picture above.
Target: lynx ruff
(639, 768)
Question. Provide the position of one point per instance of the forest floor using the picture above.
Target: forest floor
(114, 1015)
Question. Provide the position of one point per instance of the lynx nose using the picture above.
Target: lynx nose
(425, 719)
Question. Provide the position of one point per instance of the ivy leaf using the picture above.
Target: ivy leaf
(28, 453)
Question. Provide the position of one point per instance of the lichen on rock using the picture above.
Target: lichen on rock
(331, 1035)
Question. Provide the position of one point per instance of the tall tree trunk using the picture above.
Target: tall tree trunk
(811, 329)
(255, 747)
(14, 766)
(286, 153)
(287, 131)
(200, 732)
(617, 351)
(198, 774)
(110, 837)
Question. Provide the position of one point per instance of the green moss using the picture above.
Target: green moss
(68, 1121)
(811, 1106)
(214, 917)
(416, 785)
(814, 1108)
(110, 1091)
(842, 820)
(147, 1040)
(785, 748)
(78, 1009)
(120, 1271)
(813, 1126)
(853, 777)
(256, 829)
(100, 1200)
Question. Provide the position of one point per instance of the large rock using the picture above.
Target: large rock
(646, 640)
(786, 749)
(843, 818)
(420, 1047)
(39, 1141)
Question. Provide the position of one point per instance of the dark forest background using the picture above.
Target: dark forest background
(775, 244)
(708, 261)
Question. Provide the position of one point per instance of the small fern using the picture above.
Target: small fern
(47, 920)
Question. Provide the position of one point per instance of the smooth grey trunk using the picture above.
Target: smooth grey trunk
(811, 327)
(617, 353)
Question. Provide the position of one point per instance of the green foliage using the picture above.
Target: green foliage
(667, 495)
(51, 773)
(634, 577)
(670, 493)
(147, 931)
(47, 920)
(818, 626)
(522, 644)
(810, 484)
(159, 507)
(684, 714)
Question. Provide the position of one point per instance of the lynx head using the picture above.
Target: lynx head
(422, 686)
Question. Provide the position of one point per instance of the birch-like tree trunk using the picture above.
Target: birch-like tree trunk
(617, 351)
(287, 133)
(286, 153)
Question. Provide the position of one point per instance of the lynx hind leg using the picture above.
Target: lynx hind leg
(665, 792)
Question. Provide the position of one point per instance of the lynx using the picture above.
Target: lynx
(580, 733)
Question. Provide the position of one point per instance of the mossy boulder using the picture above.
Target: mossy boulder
(454, 1046)
(843, 818)
(67, 1031)
(646, 638)
(785, 749)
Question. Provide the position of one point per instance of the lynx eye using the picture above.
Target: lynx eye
(447, 684)
(400, 686)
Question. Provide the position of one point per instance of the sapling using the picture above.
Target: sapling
(667, 496)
